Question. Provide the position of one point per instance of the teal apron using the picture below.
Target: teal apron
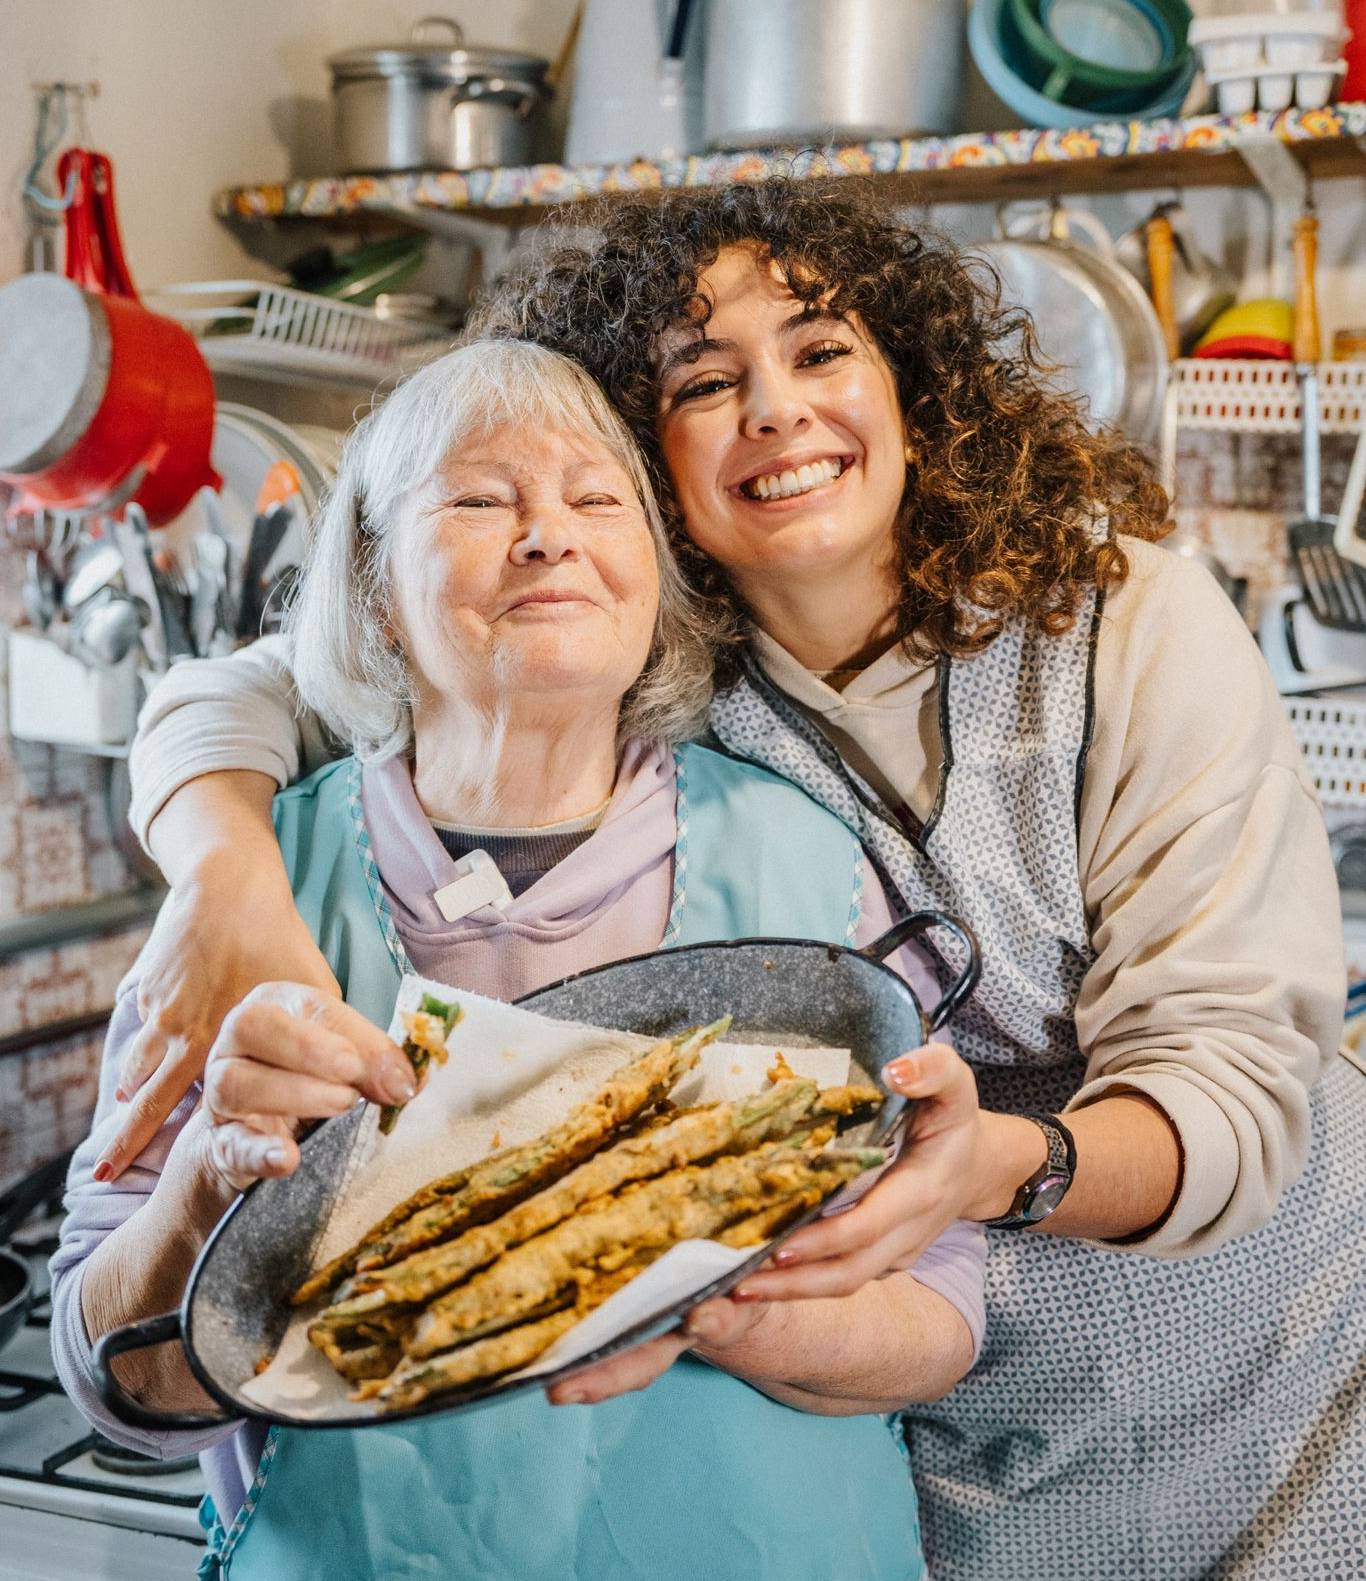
(697, 1478)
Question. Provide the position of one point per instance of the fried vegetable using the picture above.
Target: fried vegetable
(693, 1201)
(482, 1190)
(704, 1133)
(427, 1027)
(415, 1381)
(517, 1172)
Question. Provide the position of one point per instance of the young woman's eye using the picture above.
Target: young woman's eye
(709, 384)
(824, 351)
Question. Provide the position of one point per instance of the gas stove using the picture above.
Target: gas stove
(74, 1506)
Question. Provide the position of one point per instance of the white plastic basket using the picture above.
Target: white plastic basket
(1240, 396)
(253, 326)
(1332, 736)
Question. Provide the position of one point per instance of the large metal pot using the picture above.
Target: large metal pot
(434, 105)
(792, 71)
(1094, 322)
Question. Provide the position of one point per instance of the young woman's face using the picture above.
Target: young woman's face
(782, 433)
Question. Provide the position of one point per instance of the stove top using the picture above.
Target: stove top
(71, 1502)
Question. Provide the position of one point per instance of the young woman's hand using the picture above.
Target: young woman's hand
(288, 1054)
(935, 1180)
(215, 940)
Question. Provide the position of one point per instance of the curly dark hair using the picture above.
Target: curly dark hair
(1012, 505)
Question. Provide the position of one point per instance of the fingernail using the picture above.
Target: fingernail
(901, 1070)
(120, 1096)
(744, 1293)
(103, 1170)
(274, 1155)
(397, 1081)
(571, 1397)
(785, 1258)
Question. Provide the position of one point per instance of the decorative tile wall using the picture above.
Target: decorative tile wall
(56, 849)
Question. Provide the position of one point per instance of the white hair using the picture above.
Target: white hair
(346, 665)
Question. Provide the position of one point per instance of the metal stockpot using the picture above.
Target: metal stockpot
(784, 71)
(434, 106)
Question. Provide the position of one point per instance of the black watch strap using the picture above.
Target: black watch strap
(1048, 1185)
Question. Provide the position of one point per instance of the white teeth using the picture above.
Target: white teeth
(782, 485)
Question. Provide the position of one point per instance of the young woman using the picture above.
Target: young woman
(952, 626)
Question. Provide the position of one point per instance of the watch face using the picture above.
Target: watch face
(1046, 1196)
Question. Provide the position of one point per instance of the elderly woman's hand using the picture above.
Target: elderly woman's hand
(288, 1054)
(215, 941)
(934, 1181)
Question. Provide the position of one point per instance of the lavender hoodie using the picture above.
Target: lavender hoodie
(607, 899)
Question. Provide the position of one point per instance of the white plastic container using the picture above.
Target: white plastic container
(53, 697)
(1271, 58)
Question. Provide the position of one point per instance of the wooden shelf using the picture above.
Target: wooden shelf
(975, 168)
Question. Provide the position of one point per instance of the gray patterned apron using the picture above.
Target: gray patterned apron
(1129, 1416)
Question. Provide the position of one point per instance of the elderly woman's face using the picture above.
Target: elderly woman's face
(782, 431)
(526, 565)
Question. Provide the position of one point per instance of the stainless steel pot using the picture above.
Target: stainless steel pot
(1095, 323)
(434, 105)
(790, 71)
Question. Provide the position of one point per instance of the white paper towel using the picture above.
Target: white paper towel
(511, 1075)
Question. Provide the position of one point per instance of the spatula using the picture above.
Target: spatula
(1334, 589)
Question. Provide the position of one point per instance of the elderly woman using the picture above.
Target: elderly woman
(490, 612)
(958, 631)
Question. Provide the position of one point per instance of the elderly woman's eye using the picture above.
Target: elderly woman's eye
(597, 499)
(476, 501)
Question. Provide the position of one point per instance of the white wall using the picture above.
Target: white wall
(201, 94)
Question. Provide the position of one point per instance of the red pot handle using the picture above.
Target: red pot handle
(94, 250)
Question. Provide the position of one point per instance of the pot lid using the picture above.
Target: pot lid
(436, 48)
(54, 369)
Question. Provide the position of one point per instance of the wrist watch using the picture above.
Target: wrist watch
(1047, 1186)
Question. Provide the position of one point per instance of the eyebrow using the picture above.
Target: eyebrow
(705, 346)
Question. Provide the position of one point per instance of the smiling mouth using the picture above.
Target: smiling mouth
(792, 481)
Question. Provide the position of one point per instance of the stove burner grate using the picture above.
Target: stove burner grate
(109, 1456)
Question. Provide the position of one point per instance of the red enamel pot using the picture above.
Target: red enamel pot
(102, 401)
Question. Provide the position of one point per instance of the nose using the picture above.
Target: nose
(773, 406)
(546, 534)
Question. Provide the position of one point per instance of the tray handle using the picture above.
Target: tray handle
(911, 928)
(139, 1336)
(896, 1110)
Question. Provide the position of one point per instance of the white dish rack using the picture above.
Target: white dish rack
(1235, 396)
(254, 326)
(1332, 736)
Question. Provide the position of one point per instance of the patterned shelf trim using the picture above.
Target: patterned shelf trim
(542, 186)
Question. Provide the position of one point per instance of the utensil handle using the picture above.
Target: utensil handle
(1345, 539)
(1308, 344)
(139, 1336)
(911, 928)
(1161, 245)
